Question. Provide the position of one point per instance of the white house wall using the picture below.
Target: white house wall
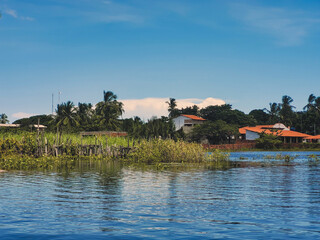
(251, 135)
(179, 122)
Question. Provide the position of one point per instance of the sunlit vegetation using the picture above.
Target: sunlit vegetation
(166, 151)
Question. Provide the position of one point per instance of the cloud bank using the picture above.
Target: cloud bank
(149, 107)
(20, 115)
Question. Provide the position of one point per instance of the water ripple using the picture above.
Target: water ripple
(121, 203)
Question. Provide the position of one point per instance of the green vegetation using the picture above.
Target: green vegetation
(106, 115)
(4, 118)
(165, 151)
(268, 141)
(216, 132)
(21, 151)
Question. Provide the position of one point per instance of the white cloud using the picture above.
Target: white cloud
(148, 107)
(289, 27)
(14, 14)
(19, 115)
(11, 12)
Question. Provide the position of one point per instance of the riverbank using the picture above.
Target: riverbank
(31, 151)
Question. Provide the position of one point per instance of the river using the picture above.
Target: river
(115, 202)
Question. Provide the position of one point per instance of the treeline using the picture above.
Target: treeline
(221, 127)
(223, 121)
(104, 116)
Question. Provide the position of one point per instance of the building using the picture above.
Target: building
(278, 129)
(187, 122)
(313, 139)
(33, 126)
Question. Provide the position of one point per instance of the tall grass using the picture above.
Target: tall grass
(18, 151)
(68, 137)
(168, 151)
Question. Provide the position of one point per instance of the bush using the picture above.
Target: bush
(268, 141)
(166, 151)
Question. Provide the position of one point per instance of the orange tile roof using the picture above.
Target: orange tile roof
(282, 133)
(313, 137)
(243, 130)
(194, 117)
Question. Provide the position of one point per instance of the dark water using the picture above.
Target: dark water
(113, 202)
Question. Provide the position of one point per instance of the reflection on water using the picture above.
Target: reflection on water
(102, 200)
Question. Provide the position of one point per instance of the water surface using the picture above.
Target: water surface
(110, 201)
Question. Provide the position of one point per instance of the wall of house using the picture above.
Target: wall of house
(251, 135)
(179, 122)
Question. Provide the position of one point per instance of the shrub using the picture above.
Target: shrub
(268, 141)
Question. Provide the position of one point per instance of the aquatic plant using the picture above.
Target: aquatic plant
(166, 151)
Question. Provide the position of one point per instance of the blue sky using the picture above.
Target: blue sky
(247, 53)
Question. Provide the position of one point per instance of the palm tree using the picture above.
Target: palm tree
(84, 112)
(4, 118)
(66, 116)
(109, 96)
(273, 112)
(311, 102)
(286, 110)
(173, 111)
(108, 111)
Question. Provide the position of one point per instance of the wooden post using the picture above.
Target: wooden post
(45, 146)
(95, 145)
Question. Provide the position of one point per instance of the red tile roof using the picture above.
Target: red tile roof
(194, 117)
(313, 137)
(279, 132)
(268, 129)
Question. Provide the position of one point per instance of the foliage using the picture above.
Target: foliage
(286, 113)
(108, 111)
(45, 120)
(172, 108)
(66, 116)
(273, 113)
(165, 151)
(228, 115)
(216, 132)
(194, 110)
(154, 128)
(4, 118)
(268, 141)
(260, 116)
(106, 114)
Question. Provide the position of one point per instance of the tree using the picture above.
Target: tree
(84, 114)
(4, 118)
(268, 141)
(108, 111)
(216, 132)
(228, 115)
(286, 113)
(273, 113)
(66, 116)
(46, 120)
(311, 103)
(172, 108)
(194, 110)
(260, 116)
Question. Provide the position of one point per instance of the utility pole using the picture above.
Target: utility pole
(59, 97)
(52, 104)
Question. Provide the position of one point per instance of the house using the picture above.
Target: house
(33, 126)
(278, 129)
(187, 122)
(313, 139)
